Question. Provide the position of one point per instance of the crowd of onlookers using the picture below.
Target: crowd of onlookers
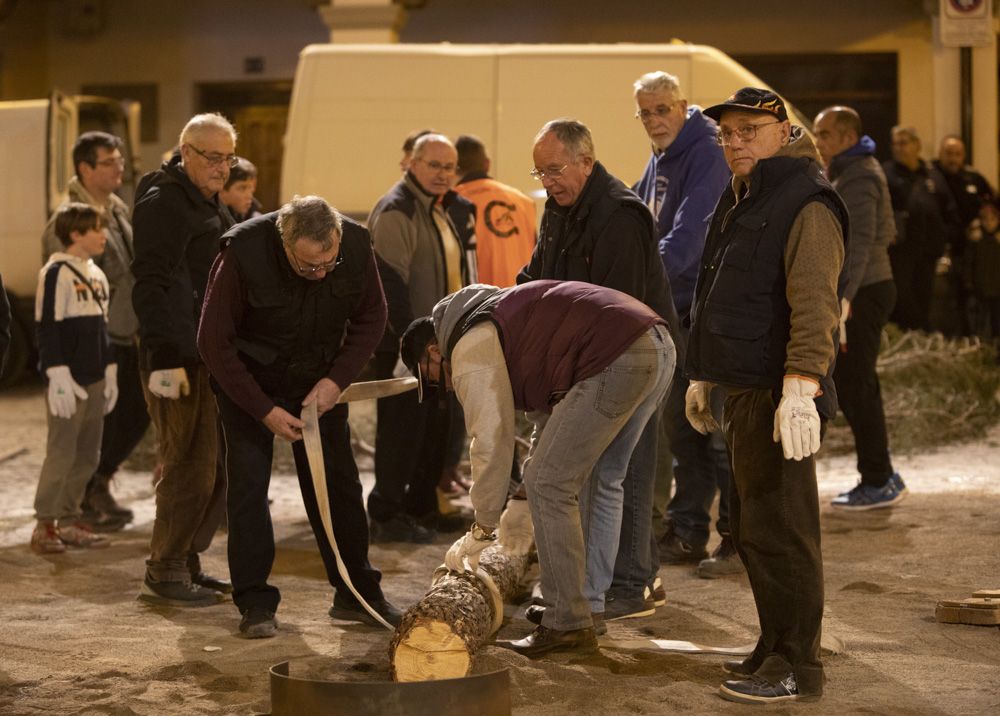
(218, 323)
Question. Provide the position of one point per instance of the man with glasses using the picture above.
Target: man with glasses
(681, 184)
(99, 166)
(596, 230)
(764, 327)
(293, 310)
(178, 221)
(414, 235)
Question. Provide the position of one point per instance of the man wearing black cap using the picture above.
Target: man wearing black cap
(764, 326)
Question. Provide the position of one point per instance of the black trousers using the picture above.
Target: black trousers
(124, 426)
(249, 448)
(858, 389)
(913, 272)
(774, 516)
(410, 443)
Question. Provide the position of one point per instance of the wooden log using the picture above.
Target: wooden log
(439, 635)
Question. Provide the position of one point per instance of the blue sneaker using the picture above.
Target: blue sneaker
(865, 497)
(898, 483)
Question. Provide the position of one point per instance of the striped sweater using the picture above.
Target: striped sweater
(70, 318)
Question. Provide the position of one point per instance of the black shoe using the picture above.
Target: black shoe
(101, 522)
(349, 609)
(737, 668)
(98, 498)
(674, 550)
(628, 607)
(724, 560)
(757, 690)
(258, 623)
(177, 594)
(223, 586)
(460, 521)
(400, 528)
(544, 640)
(535, 612)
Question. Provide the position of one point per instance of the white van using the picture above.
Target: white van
(353, 105)
(36, 148)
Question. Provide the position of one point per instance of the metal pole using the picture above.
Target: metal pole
(966, 80)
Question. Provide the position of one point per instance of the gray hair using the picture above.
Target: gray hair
(432, 138)
(658, 81)
(202, 124)
(309, 217)
(574, 135)
(910, 132)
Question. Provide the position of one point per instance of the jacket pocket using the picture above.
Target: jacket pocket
(737, 345)
(743, 247)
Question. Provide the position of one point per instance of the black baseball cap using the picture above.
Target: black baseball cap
(750, 99)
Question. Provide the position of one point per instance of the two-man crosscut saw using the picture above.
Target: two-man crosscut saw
(368, 390)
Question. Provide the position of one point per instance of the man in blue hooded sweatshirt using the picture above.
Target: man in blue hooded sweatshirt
(681, 185)
(868, 300)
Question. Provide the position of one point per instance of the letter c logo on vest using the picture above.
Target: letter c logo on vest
(499, 220)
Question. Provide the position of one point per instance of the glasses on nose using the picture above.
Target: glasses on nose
(312, 269)
(118, 162)
(661, 111)
(746, 133)
(437, 167)
(217, 160)
(550, 173)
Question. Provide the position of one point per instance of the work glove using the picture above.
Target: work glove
(516, 532)
(63, 391)
(463, 556)
(169, 383)
(698, 407)
(845, 312)
(796, 421)
(110, 387)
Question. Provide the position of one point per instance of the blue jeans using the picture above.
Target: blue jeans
(701, 467)
(598, 423)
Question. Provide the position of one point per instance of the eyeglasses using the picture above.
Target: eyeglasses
(661, 112)
(551, 173)
(215, 160)
(111, 162)
(746, 133)
(311, 270)
(436, 166)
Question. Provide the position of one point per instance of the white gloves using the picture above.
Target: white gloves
(169, 383)
(463, 556)
(796, 421)
(516, 532)
(63, 391)
(845, 311)
(698, 407)
(110, 387)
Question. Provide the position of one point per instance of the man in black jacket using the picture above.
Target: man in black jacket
(178, 221)
(595, 229)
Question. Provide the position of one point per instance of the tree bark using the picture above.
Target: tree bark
(439, 635)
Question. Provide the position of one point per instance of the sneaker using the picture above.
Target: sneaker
(757, 690)
(78, 534)
(176, 593)
(724, 560)
(535, 612)
(674, 550)
(45, 539)
(656, 592)
(627, 607)
(349, 609)
(222, 586)
(258, 623)
(399, 528)
(866, 497)
(898, 483)
(101, 522)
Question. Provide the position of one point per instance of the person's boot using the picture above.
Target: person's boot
(98, 498)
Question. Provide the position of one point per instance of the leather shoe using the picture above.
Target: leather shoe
(349, 609)
(544, 640)
(535, 612)
(223, 586)
(737, 668)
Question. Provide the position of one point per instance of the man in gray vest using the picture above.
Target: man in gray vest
(99, 165)
(763, 326)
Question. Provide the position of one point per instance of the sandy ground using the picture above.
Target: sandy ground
(73, 638)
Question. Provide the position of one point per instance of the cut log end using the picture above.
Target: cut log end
(431, 650)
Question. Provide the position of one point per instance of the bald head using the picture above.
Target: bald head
(837, 129)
